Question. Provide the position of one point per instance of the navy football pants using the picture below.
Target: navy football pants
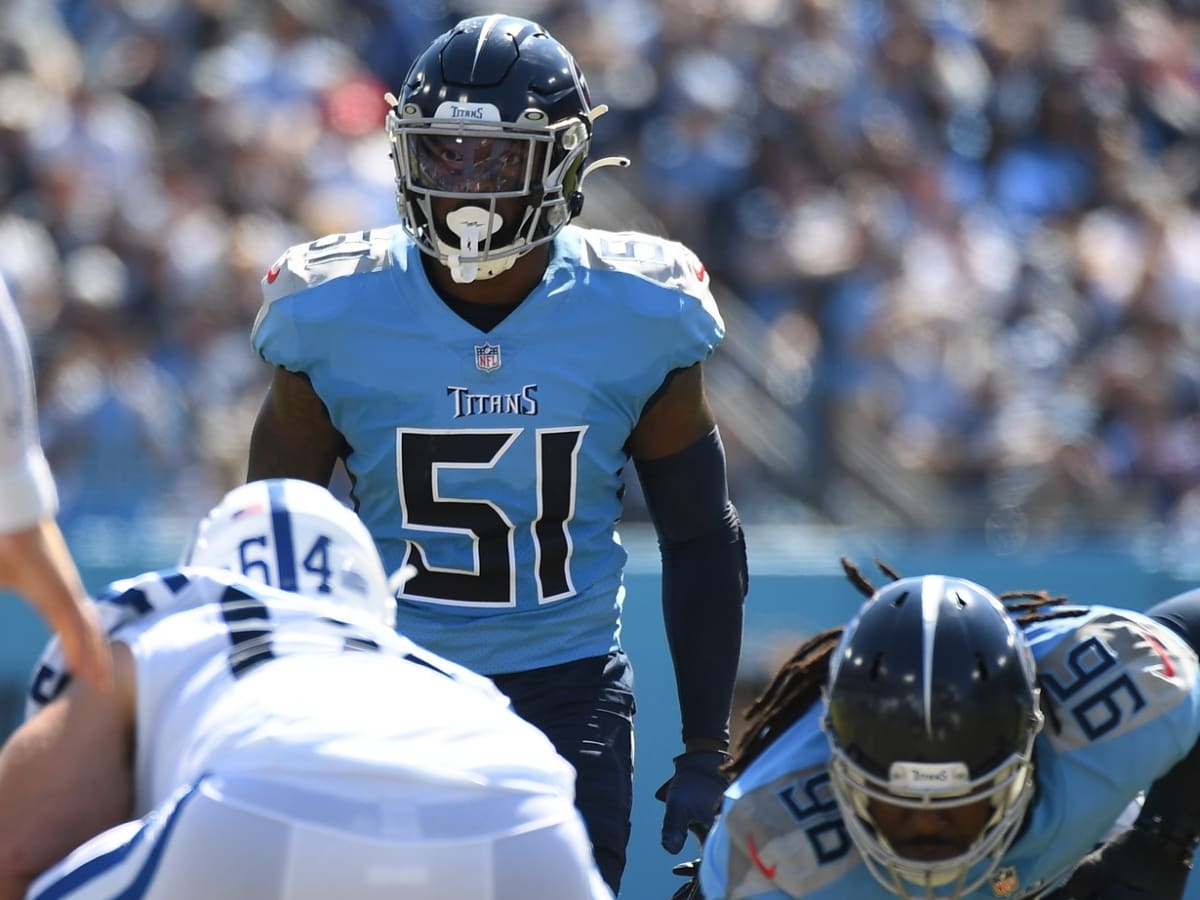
(586, 709)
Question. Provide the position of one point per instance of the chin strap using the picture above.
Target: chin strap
(465, 273)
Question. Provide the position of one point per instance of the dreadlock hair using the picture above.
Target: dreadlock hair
(798, 683)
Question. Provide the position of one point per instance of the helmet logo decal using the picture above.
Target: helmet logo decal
(476, 112)
(487, 357)
(931, 600)
(253, 509)
(916, 778)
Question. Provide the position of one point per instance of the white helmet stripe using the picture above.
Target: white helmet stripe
(321, 549)
(484, 33)
(281, 525)
(932, 587)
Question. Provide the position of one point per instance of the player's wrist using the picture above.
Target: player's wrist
(1170, 839)
(706, 744)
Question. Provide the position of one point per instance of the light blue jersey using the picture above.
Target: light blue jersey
(1122, 704)
(492, 461)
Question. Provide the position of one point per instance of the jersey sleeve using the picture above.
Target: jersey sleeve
(665, 291)
(291, 297)
(1118, 686)
(274, 335)
(122, 606)
(717, 865)
(758, 850)
(27, 490)
(702, 330)
(780, 832)
(701, 327)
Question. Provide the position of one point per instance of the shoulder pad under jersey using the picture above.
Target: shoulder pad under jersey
(325, 259)
(655, 259)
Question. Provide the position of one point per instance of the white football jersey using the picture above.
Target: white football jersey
(241, 679)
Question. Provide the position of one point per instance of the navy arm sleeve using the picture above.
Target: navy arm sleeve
(1171, 807)
(1181, 614)
(704, 579)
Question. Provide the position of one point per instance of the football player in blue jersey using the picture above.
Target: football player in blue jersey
(947, 743)
(34, 558)
(485, 371)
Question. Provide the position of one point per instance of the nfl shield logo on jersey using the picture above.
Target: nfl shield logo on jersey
(487, 357)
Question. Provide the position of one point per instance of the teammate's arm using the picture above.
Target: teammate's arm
(34, 559)
(65, 776)
(681, 465)
(293, 436)
(36, 563)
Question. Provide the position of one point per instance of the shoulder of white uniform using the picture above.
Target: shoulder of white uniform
(126, 608)
(326, 259)
(648, 257)
(162, 590)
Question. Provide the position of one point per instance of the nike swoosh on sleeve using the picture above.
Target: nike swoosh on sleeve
(769, 871)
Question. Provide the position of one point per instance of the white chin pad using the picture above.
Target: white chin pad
(473, 225)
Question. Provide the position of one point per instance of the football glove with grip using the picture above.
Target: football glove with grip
(1140, 863)
(693, 796)
(691, 890)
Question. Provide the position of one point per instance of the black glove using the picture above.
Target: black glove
(691, 871)
(1140, 863)
(693, 796)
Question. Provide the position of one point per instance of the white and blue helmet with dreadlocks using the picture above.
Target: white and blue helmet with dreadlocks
(296, 536)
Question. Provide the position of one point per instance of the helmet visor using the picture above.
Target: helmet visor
(457, 164)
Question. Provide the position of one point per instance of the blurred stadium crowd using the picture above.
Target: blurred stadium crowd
(964, 235)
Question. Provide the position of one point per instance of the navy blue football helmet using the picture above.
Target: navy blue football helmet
(494, 109)
(932, 703)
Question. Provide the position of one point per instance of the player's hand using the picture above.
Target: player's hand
(1132, 866)
(693, 796)
(43, 572)
(84, 644)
